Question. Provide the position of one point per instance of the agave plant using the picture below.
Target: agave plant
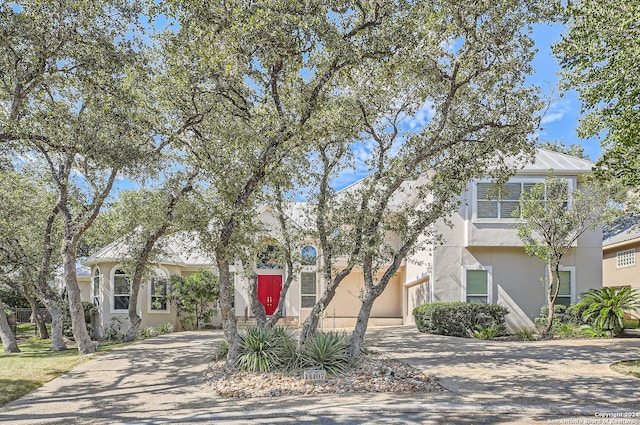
(606, 306)
(326, 351)
(262, 350)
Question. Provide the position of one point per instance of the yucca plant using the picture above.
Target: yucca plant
(327, 351)
(266, 350)
(258, 352)
(606, 306)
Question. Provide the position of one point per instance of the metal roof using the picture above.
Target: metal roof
(546, 160)
(624, 230)
(182, 248)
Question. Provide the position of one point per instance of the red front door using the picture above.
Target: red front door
(269, 287)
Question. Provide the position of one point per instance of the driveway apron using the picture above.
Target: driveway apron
(160, 380)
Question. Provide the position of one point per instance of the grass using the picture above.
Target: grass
(627, 367)
(23, 372)
(631, 324)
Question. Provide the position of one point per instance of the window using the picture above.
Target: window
(500, 202)
(626, 258)
(564, 296)
(307, 290)
(159, 287)
(96, 287)
(309, 256)
(121, 290)
(477, 286)
(269, 258)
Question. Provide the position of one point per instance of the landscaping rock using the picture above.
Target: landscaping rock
(374, 373)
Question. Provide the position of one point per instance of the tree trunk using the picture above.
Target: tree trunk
(552, 295)
(357, 336)
(229, 322)
(134, 326)
(79, 326)
(35, 313)
(9, 344)
(310, 325)
(53, 304)
(256, 306)
(134, 318)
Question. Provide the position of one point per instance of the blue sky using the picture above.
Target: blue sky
(562, 118)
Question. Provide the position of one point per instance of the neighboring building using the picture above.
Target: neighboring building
(481, 260)
(621, 256)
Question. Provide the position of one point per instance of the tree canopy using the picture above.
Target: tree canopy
(599, 55)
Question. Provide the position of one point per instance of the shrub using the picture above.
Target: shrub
(220, 350)
(89, 310)
(594, 332)
(327, 351)
(113, 331)
(565, 330)
(458, 318)
(486, 332)
(604, 307)
(563, 315)
(148, 332)
(196, 298)
(167, 328)
(525, 335)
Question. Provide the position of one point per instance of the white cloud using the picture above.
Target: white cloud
(556, 112)
(549, 118)
(421, 117)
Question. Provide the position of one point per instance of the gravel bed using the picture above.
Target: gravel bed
(374, 373)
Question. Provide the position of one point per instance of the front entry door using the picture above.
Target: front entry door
(269, 287)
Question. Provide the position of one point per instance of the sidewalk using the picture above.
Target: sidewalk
(159, 380)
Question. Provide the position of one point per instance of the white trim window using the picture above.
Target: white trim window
(308, 289)
(492, 202)
(477, 284)
(95, 287)
(158, 292)
(120, 290)
(626, 258)
(566, 296)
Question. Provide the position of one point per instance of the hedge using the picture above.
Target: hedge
(458, 318)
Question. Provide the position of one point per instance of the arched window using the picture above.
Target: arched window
(95, 280)
(309, 256)
(121, 290)
(269, 258)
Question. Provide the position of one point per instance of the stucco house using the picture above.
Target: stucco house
(481, 260)
(621, 256)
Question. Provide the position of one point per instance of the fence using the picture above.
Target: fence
(21, 316)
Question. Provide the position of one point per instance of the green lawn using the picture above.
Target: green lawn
(23, 372)
(628, 367)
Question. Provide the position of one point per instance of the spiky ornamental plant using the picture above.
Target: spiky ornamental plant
(606, 307)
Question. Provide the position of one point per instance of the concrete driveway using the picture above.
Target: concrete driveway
(555, 375)
(159, 380)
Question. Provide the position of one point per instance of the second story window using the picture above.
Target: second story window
(309, 256)
(499, 202)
